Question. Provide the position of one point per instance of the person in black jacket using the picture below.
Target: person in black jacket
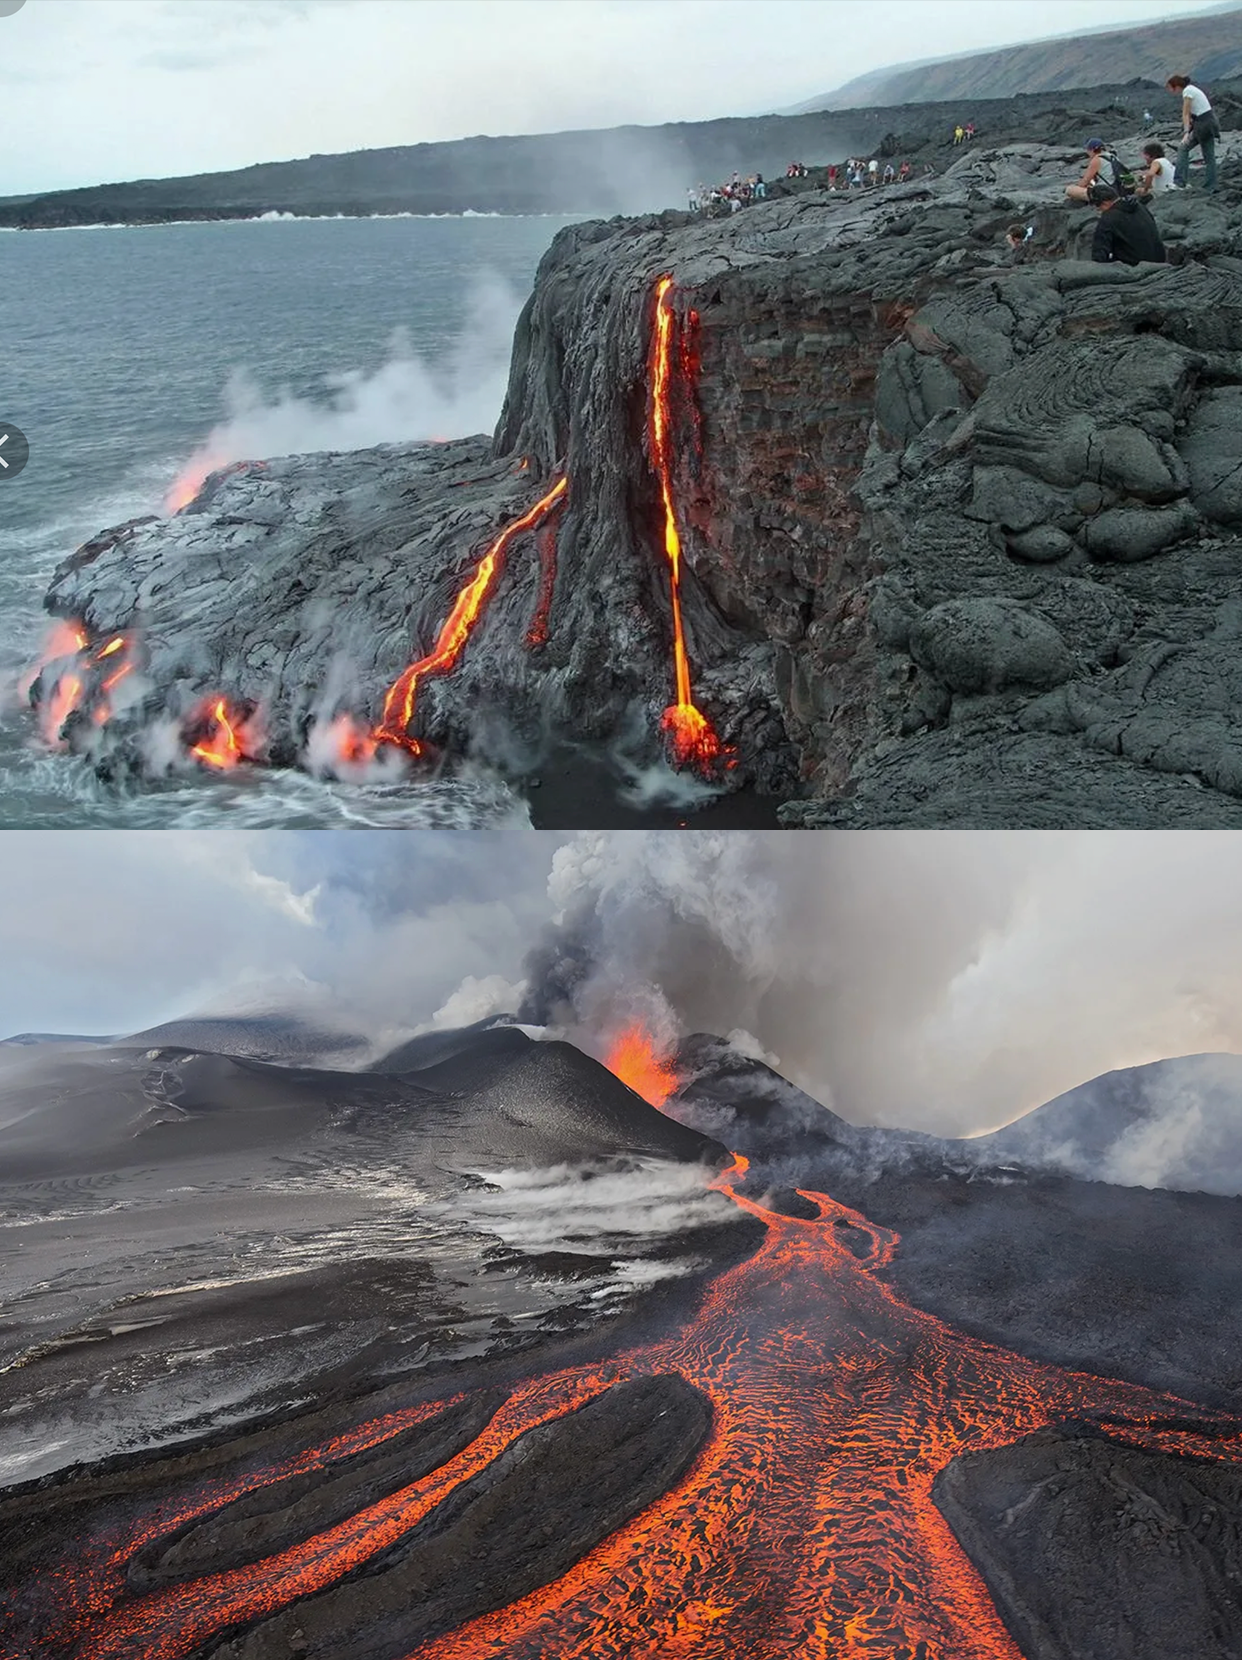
(1125, 231)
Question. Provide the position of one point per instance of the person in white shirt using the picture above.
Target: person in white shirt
(1199, 128)
(1158, 173)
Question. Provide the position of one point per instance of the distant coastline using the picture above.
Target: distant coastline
(598, 173)
(273, 217)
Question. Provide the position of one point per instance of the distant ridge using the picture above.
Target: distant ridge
(1208, 45)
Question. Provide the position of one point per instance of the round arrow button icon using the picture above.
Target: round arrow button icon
(14, 450)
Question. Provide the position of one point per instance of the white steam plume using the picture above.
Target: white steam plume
(405, 399)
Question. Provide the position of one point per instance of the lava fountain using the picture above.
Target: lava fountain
(394, 724)
(690, 733)
(804, 1528)
(635, 1058)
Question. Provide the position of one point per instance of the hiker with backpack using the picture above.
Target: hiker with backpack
(1103, 165)
(1200, 129)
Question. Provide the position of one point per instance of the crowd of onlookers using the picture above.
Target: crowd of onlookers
(1125, 232)
(737, 193)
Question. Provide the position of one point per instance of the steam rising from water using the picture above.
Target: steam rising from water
(404, 399)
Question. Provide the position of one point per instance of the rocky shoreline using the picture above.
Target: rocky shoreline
(959, 539)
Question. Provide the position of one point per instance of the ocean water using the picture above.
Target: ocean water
(133, 356)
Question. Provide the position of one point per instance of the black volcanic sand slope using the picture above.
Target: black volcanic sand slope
(490, 1095)
(542, 1103)
(1094, 1550)
(529, 1517)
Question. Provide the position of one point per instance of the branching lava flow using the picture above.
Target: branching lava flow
(805, 1528)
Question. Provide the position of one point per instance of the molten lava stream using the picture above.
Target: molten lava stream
(806, 1526)
(222, 746)
(394, 725)
(690, 732)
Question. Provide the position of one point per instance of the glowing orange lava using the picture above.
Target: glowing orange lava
(61, 693)
(691, 735)
(634, 1058)
(804, 1530)
(221, 747)
(394, 725)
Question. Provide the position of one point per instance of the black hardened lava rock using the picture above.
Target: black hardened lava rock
(522, 1522)
(279, 1514)
(1093, 1550)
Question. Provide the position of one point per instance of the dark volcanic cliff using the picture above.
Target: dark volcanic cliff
(959, 538)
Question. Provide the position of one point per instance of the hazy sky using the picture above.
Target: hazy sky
(948, 980)
(105, 90)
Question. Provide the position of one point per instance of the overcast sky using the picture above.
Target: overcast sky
(948, 981)
(106, 90)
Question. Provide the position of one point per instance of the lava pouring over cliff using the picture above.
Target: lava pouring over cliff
(690, 733)
(805, 1526)
(393, 726)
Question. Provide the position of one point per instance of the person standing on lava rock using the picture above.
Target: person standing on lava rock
(1199, 127)
(1125, 233)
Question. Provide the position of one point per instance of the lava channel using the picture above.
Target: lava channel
(804, 1528)
(690, 733)
(394, 724)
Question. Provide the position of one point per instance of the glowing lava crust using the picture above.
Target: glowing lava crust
(805, 1527)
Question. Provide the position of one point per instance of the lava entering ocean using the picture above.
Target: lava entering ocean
(690, 732)
(394, 725)
(805, 1527)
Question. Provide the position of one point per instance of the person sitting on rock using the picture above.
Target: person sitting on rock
(970, 132)
(903, 172)
(890, 172)
(1157, 176)
(1125, 233)
(1199, 128)
(1096, 152)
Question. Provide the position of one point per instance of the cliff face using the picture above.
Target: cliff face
(957, 537)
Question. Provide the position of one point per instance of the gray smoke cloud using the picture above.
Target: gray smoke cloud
(942, 982)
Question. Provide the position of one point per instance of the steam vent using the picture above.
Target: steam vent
(823, 501)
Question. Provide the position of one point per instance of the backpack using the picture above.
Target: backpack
(1125, 179)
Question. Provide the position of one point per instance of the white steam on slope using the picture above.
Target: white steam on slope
(405, 399)
(557, 1209)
